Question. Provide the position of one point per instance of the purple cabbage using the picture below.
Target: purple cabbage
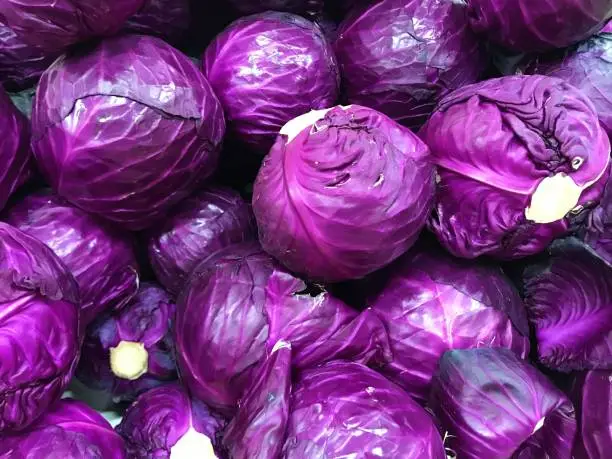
(40, 332)
(168, 19)
(267, 69)
(343, 192)
(400, 57)
(151, 135)
(490, 403)
(101, 259)
(597, 230)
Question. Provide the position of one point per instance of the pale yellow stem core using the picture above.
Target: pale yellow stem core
(553, 198)
(129, 360)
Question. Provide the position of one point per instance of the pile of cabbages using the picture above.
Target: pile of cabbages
(305, 229)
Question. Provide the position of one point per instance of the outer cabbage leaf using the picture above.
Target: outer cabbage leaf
(400, 57)
(294, 6)
(168, 19)
(528, 27)
(345, 195)
(101, 259)
(70, 430)
(40, 333)
(344, 409)
(199, 226)
(432, 303)
(165, 422)
(517, 157)
(151, 132)
(267, 69)
(491, 403)
(239, 303)
(53, 25)
(597, 230)
(592, 396)
(569, 302)
(131, 350)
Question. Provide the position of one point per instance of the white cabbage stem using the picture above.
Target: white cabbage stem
(129, 360)
(193, 444)
(292, 128)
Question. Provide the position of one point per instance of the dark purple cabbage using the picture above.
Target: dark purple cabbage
(168, 19)
(597, 230)
(310, 7)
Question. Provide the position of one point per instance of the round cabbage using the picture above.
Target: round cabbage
(101, 259)
(53, 25)
(199, 226)
(528, 27)
(342, 193)
(168, 19)
(400, 57)
(517, 157)
(266, 70)
(293, 6)
(40, 332)
(151, 135)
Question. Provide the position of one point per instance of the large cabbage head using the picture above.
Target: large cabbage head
(592, 395)
(266, 70)
(53, 25)
(168, 19)
(517, 157)
(130, 351)
(343, 192)
(294, 6)
(166, 423)
(400, 57)
(40, 333)
(531, 27)
(569, 302)
(151, 135)
(433, 302)
(69, 430)
(101, 259)
(239, 303)
(206, 222)
(490, 403)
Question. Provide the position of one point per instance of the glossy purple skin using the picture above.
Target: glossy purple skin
(70, 430)
(293, 6)
(21, 64)
(239, 303)
(40, 332)
(54, 25)
(101, 259)
(204, 223)
(433, 302)
(401, 56)
(597, 232)
(15, 152)
(168, 19)
(127, 130)
(160, 417)
(493, 143)
(148, 320)
(345, 199)
(267, 69)
(344, 409)
(535, 27)
(489, 403)
(569, 302)
(592, 396)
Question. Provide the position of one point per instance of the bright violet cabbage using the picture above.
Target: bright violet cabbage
(344, 409)
(168, 19)
(131, 350)
(40, 333)
(597, 231)
(53, 25)
(151, 135)
(433, 302)
(15, 153)
(517, 157)
(401, 56)
(592, 396)
(569, 302)
(490, 403)
(588, 67)
(528, 27)
(166, 423)
(101, 259)
(294, 6)
(204, 223)
(342, 193)
(239, 303)
(267, 69)
(69, 430)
